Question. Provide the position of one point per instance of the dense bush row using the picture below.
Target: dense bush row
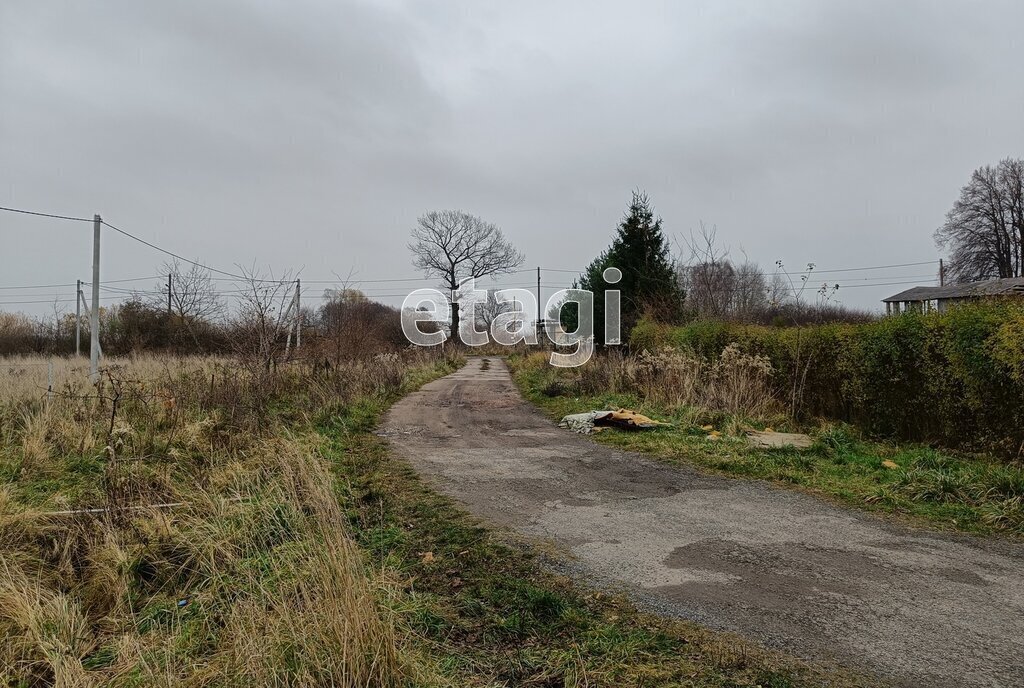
(955, 378)
(344, 327)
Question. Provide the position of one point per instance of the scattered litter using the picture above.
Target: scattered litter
(891, 465)
(132, 507)
(183, 602)
(707, 428)
(714, 435)
(595, 421)
(770, 439)
(582, 423)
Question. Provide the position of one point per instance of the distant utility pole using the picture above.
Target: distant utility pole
(538, 296)
(298, 314)
(83, 304)
(78, 318)
(942, 273)
(94, 316)
(168, 293)
(294, 319)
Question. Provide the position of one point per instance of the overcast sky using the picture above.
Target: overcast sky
(310, 135)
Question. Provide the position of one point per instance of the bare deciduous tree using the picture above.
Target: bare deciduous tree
(353, 326)
(454, 246)
(490, 308)
(715, 286)
(193, 298)
(750, 293)
(984, 231)
(263, 318)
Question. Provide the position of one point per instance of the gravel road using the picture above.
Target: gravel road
(780, 567)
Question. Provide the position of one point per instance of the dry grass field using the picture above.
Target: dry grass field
(203, 522)
(164, 527)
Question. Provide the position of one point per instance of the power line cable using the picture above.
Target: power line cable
(251, 279)
(881, 284)
(72, 284)
(172, 254)
(59, 217)
(816, 271)
(41, 286)
(69, 299)
(794, 272)
(132, 279)
(130, 236)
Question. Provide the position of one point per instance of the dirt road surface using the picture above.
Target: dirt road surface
(780, 567)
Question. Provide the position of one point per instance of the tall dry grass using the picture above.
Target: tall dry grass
(734, 383)
(169, 526)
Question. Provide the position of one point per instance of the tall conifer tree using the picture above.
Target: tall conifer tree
(641, 252)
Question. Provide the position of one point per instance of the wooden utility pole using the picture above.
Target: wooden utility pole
(942, 273)
(538, 296)
(169, 293)
(94, 316)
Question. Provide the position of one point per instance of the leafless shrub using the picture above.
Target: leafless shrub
(719, 288)
(715, 286)
(353, 327)
(261, 330)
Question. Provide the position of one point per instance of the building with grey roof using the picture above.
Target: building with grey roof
(923, 299)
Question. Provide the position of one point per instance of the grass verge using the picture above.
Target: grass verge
(946, 490)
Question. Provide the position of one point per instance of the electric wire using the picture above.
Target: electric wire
(39, 214)
(250, 279)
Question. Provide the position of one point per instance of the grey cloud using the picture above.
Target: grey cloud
(311, 134)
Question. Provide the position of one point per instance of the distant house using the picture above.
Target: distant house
(922, 299)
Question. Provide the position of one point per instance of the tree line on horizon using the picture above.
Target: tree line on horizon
(983, 234)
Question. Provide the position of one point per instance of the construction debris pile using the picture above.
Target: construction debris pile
(595, 421)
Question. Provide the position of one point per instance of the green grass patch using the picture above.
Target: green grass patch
(958, 491)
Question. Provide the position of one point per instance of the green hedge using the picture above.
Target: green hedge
(955, 378)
